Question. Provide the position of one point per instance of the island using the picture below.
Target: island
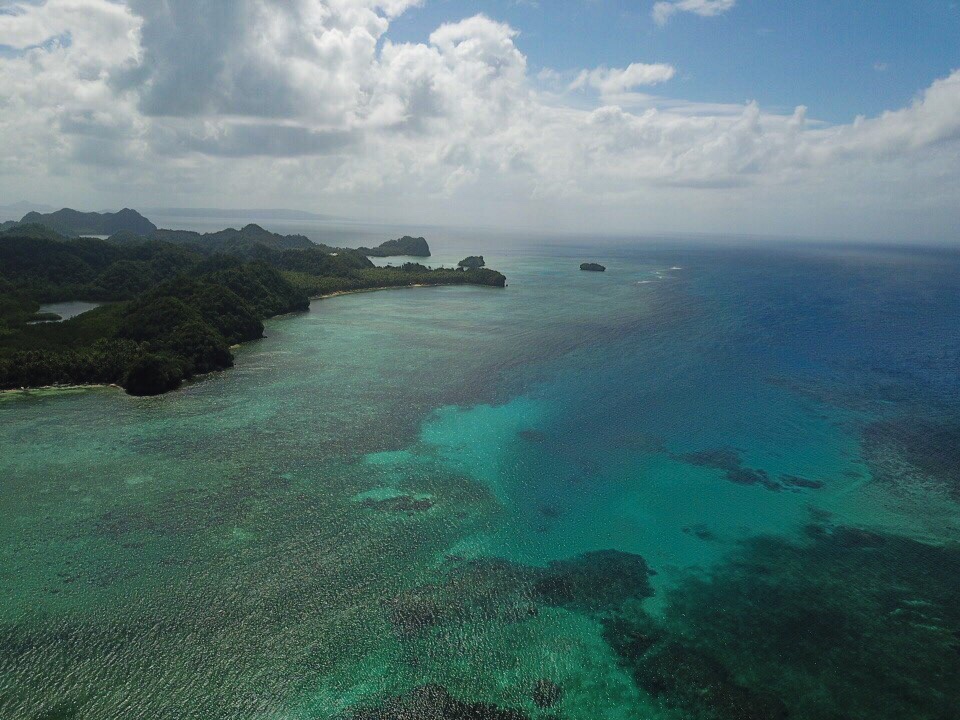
(401, 247)
(248, 241)
(474, 261)
(592, 267)
(175, 302)
(72, 223)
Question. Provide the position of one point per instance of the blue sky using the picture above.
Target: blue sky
(841, 58)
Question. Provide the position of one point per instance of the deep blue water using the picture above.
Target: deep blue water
(711, 482)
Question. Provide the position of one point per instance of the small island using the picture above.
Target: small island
(592, 267)
(174, 302)
(473, 261)
(401, 247)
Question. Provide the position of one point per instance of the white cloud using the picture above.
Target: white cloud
(307, 103)
(611, 81)
(663, 11)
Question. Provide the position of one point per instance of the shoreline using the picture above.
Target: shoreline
(338, 293)
(10, 391)
(34, 388)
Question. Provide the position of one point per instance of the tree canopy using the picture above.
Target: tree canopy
(175, 303)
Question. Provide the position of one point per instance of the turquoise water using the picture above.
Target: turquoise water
(708, 483)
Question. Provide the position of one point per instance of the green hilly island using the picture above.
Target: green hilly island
(174, 302)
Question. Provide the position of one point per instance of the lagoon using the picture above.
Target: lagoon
(690, 486)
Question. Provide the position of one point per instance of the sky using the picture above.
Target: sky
(815, 119)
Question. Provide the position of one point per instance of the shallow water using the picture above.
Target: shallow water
(67, 310)
(410, 488)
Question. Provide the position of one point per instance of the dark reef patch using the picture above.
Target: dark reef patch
(418, 610)
(914, 453)
(534, 436)
(546, 693)
(794, 481)
(701, 532)
(730, 462)
(434, 702)
(698, 685)
(496, 590)
(851, 624)
(595, 581)
(683, 677)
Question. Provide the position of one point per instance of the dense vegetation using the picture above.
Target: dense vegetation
(73, 223)
(592, 267)
(406, 275)
(405, 246)
(472, 261)
(246, 241)
(175, 302)
(128, 226)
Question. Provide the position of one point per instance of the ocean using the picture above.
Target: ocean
(714, 481)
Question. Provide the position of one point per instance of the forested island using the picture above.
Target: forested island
(175, 301)
(473, 261)
(405, 246)
(127, 225)
(593, 267)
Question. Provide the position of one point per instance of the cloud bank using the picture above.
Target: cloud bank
(309, 104)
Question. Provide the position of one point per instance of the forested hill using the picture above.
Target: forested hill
(173, 309)
(128, 226)
(405, 246)
(73, 223)
(243, 241)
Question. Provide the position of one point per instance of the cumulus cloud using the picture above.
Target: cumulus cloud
(664, 10)
(291, 59)
(309, 103)
(610, 81)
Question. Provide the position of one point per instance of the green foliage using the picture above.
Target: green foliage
(406, 275)
(200, 345)
(105, 361)
(154, 317)
(32, 230)
(73, 223)
(405, 246)
(222, 309)
(153, 374)
(249, 242)
(185, 311)
(176, 301)
(261, 286)
(320, 263)
(52, 269)
(472, 261)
